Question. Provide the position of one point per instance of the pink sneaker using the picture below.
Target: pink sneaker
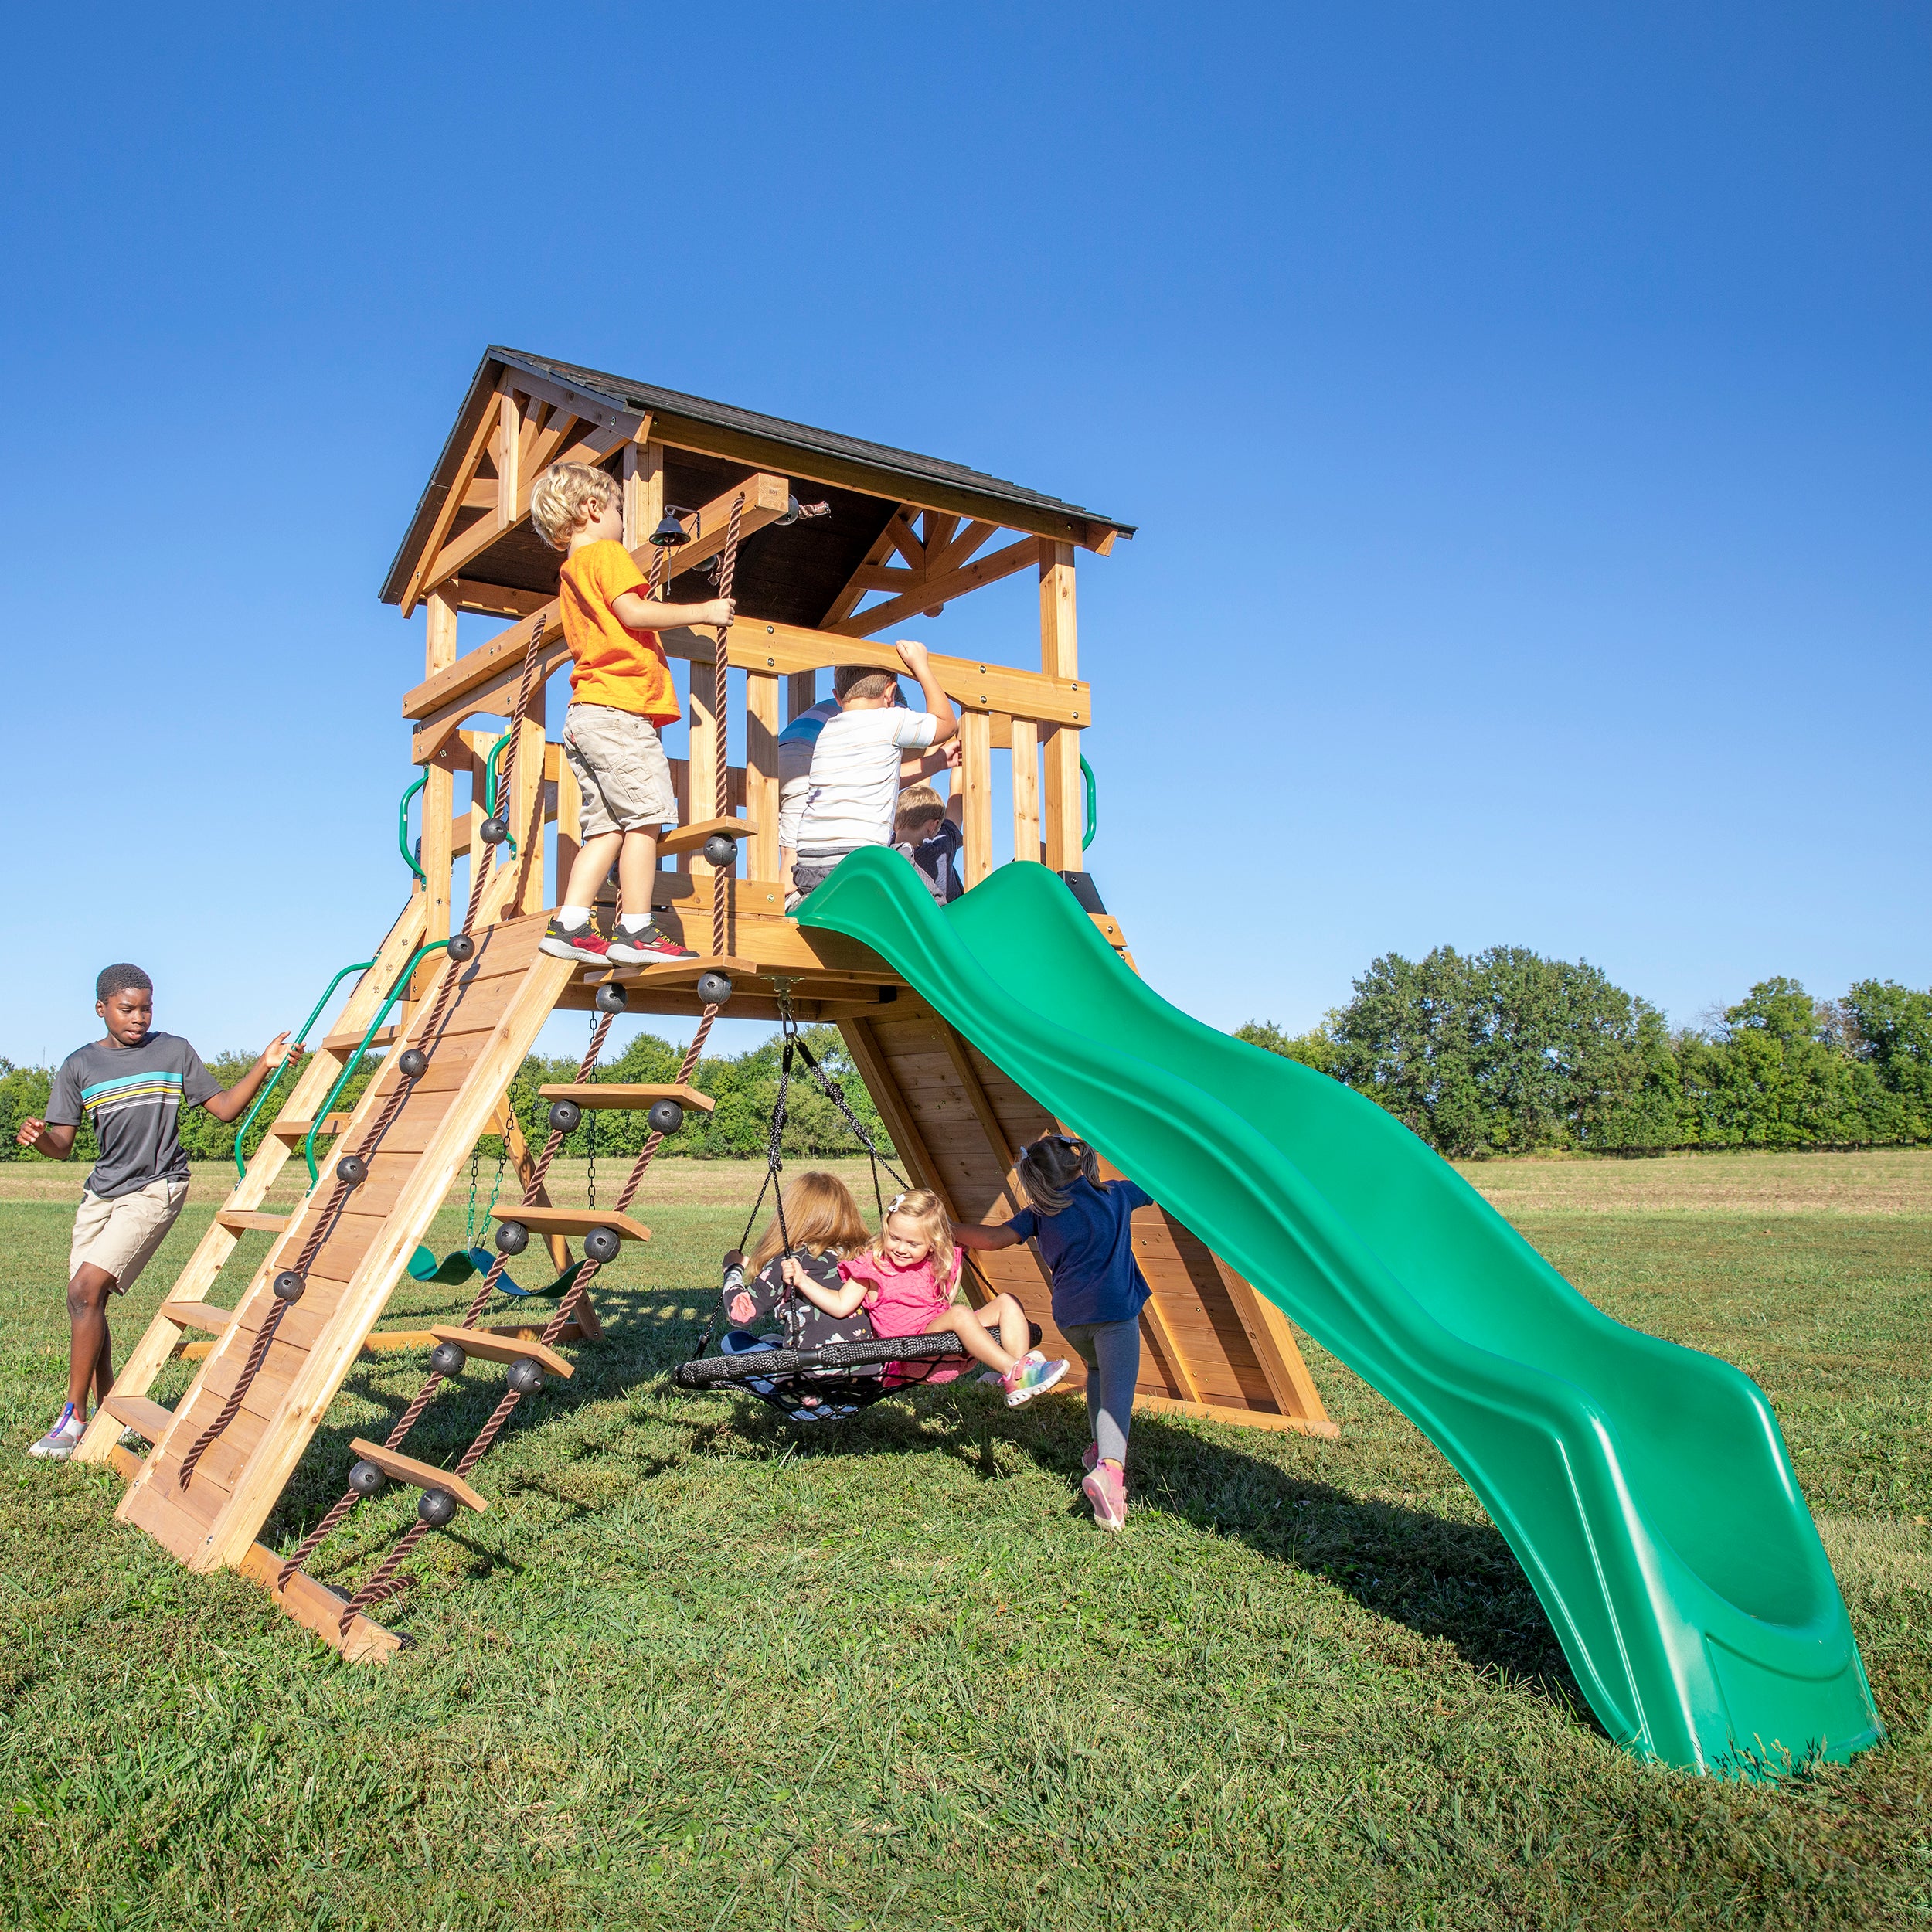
(1106, 1489)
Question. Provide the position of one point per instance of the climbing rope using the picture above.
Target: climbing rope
(351, 1170)
(385, 1583)
(723, 882)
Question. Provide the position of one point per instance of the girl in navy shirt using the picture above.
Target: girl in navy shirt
(1084, 1227)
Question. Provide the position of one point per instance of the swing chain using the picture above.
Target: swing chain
(469, 1211)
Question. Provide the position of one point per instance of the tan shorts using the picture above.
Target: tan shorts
(119, 1236)
(621, 769)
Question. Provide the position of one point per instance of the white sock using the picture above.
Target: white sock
(573, 916)
(633, 922)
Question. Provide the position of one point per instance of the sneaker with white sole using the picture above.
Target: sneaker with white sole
(1031, 1376)
(584, 943)
(650, 945)
(63, 1438)
(1105, 1488)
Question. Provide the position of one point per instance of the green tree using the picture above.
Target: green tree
(1891, 1034)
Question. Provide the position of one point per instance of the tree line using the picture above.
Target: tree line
(745, 1087)
(1505, 1052)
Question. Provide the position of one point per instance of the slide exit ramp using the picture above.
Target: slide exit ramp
(1643, 1487)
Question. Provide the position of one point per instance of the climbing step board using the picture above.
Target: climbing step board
(1210, 1343)
(504, 995)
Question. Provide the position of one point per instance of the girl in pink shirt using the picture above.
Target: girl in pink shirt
(906, 1279)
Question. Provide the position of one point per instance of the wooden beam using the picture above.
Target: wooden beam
(959, 549)
(627, 1095)
(1278, 1351)
(1060, 658)
(490, 673)
(942, 589)
(1241, 1418)
(761, 771)
(319, 1608)
(915, 492)
(439, 792)
(1026, 737)
(976, 776)
(509, 437)
(853, 589)
(977, 1099)
(466, 470)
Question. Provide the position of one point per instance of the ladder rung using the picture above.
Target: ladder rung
(198, 1315)
(145, 1418)
(614, 1095)
(504, 1348)
(298, 1129)
(424, 1475)
(347, 1042)
(240, 1221)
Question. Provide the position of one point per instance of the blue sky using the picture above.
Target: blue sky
(1525, 410)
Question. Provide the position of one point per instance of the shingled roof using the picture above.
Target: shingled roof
(720, 432)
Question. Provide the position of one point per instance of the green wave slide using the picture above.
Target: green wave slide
(1643, 1487)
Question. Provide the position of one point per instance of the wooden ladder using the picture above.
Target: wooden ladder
(188, 1298)
(504, 994)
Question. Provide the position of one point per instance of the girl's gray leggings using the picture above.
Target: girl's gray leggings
(1111, 1351)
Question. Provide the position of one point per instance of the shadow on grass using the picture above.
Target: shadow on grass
(1450, 1579)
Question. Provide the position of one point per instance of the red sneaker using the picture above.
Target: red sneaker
(582, 942)
(652, 946)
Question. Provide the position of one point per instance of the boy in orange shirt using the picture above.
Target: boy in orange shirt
(621, 695)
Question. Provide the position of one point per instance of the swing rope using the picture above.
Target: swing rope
(723, 880)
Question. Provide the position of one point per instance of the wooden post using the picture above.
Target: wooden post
(525, 806)
(1025, 788)
(976, 775)
(704, 801)
(509, 432)
(801, 693)
(439, 792)
(761, 772)
(1060, 658)
(643, 492)
(570, 819)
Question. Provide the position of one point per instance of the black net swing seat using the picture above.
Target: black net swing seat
(832, 1382)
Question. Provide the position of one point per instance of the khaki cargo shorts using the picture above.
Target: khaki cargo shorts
(119, 1236)
(621, 769)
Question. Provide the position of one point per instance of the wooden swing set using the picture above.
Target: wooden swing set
(455, 999)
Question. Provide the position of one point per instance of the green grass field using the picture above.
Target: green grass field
(690, 1673)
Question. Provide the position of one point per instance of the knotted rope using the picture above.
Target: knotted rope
(723, 879)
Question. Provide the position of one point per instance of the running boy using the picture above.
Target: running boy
(856, 765)
(135, 1083)
(620, 696)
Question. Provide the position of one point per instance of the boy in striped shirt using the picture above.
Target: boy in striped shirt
(134, 1083)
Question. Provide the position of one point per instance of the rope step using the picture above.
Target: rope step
(692, 838)
(137, 1413)
(418, 1475)
(568, 1220)
(615, 1096)
(492, 1345)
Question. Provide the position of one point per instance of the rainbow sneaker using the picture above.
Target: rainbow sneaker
(1032, 1374)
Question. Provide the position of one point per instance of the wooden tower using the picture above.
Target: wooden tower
(904, 536)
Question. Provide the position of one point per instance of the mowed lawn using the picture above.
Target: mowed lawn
(690, 1672)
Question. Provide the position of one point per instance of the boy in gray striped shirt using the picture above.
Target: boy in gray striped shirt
(134, 1083)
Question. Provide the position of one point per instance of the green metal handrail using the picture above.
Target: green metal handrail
(489, 785)
(248, 1119)
(356, 1059)
(402, 830)
(1092, 804)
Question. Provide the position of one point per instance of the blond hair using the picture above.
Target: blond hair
(562, 495)
(820, 1214)
(922, 1205)
(1049, 1167)
(917, 803)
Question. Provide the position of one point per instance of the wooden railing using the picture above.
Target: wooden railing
(1036, 717)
